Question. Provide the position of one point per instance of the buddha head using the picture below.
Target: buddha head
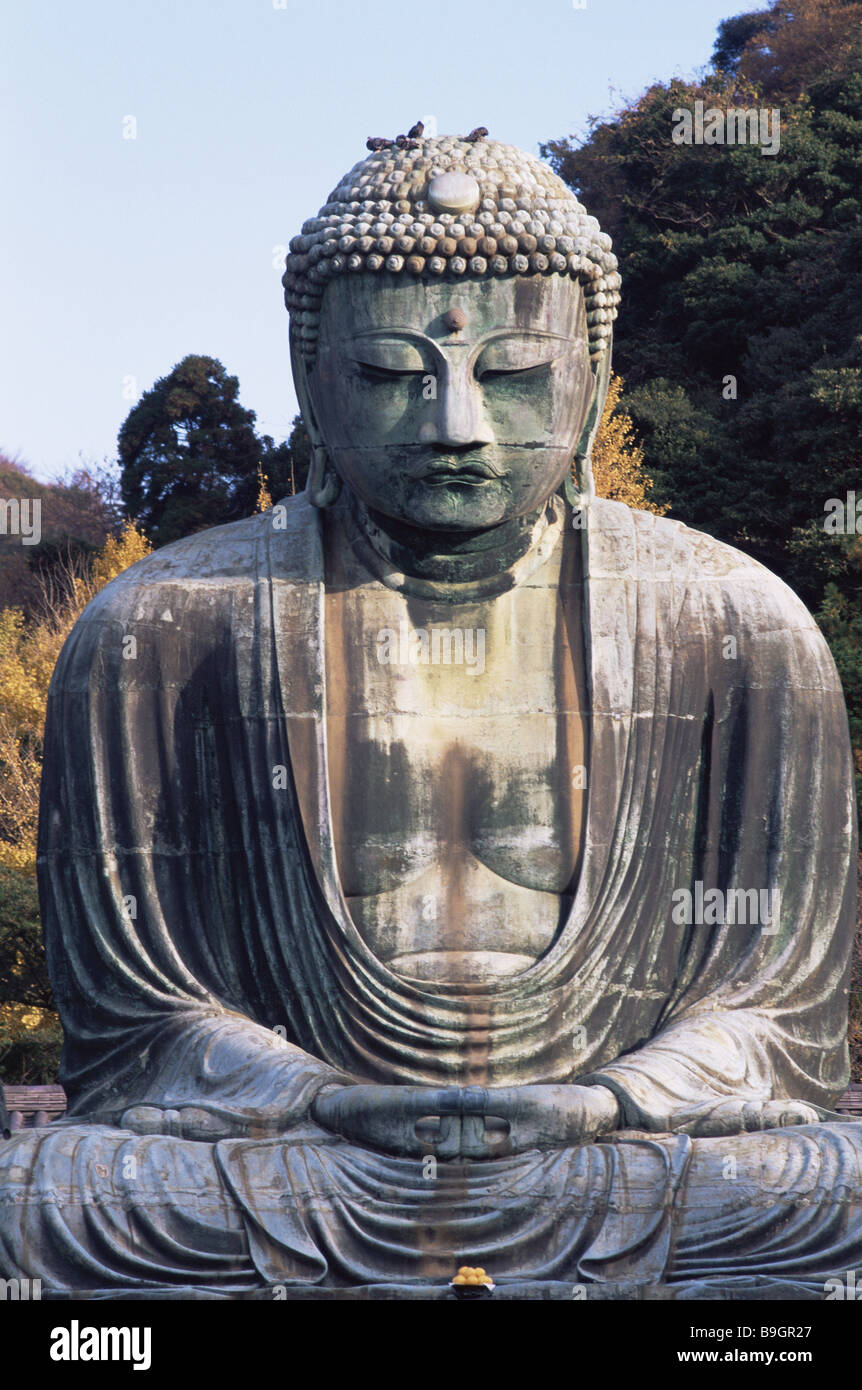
(451, 310)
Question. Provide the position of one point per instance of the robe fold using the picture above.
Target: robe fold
(202, 952)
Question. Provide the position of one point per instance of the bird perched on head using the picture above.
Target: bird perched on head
(404, 142)
(478, 134)
(376, 142)
(415, 131)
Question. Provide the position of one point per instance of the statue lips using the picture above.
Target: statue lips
(472, 473)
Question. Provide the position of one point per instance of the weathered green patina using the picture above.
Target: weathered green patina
(374, 884)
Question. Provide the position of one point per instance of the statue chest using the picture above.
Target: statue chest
(457, 746)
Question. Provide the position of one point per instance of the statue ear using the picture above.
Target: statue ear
(299, 369)
(324, 484)
(581, 493)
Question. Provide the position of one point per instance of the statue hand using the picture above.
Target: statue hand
(188, 1123)
(386, 1117)
(549, 1117)
(741, 1116)
(471, 1122)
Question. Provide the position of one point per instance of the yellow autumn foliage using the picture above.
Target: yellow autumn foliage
(617, 459)
(28, 654)
(30, 1031)
(116, 555)
(264, 496)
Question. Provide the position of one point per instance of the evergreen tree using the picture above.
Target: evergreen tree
(287, 464)
(189, 453)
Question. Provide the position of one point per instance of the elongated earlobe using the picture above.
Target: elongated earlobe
(324, 484)
(580, 489)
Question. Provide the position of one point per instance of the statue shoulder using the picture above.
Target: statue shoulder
(238, 550)
(182, 600)
(698, 563)
(284, 542)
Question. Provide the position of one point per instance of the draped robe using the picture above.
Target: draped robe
(202, 952)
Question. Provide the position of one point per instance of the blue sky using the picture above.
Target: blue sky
(119, 256)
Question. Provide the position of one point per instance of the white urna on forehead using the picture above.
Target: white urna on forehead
(449, 208)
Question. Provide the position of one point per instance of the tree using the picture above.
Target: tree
(75, 516)
(299, 447)
(618, 459)
(798, 43)
(189, 453)
(287, 464)
(735, 34)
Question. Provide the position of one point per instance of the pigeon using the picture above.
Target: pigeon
(376, 142)
(478, 134)
(404, 142)
(415, 131)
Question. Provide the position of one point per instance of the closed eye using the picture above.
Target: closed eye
(373, 372)
(493, 373)
(506, 356)
(384, 357)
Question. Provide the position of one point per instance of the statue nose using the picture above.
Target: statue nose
(459, 419)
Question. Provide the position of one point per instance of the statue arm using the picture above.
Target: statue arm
(759, 1013)
(224, 1075)
(708, 1075)
(148, 899)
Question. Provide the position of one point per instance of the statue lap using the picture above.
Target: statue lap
(239, 1215)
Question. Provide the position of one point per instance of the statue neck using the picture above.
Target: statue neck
(453, 566)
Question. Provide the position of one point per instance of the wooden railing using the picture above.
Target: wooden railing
(28, 1106)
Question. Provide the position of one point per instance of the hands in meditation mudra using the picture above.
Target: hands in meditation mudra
(375, 851)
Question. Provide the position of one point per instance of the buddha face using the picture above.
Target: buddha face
(452, 406)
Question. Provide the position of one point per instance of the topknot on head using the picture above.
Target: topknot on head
(451, 207)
